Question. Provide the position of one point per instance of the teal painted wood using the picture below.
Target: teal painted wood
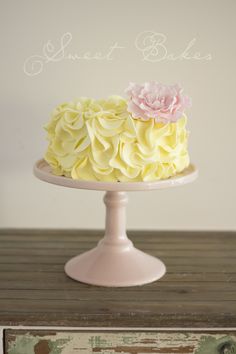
(131, 342)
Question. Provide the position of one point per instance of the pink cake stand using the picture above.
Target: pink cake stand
(114, 262)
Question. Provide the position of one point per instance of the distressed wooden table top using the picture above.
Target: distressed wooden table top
(199, 289)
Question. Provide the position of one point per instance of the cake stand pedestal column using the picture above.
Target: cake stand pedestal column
(115, 261)
(115, 229)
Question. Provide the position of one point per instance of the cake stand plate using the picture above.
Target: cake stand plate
(115, 261)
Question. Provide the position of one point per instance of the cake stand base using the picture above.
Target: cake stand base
(115, 261)
(115, 266)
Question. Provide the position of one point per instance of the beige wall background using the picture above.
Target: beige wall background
(95, 26)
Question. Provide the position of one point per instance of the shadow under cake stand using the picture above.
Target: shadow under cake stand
(115, 262)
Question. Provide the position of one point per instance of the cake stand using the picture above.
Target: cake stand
(114, 262)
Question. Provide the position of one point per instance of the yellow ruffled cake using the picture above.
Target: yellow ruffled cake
(143, 138)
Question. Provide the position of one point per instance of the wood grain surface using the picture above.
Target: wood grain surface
(199, 289)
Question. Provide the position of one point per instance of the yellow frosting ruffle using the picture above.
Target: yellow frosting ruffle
(99, 140)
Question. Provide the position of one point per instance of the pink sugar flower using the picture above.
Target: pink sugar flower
(160, 102)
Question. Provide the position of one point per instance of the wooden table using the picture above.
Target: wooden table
(192, 309)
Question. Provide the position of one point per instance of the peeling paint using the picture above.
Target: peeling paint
(140, 349)
(33, 344)
(42, 347)
(112, 342)
(214, 345)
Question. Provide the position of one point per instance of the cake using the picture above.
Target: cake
(142, 137)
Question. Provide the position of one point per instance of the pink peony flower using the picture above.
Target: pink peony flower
(154, 100)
